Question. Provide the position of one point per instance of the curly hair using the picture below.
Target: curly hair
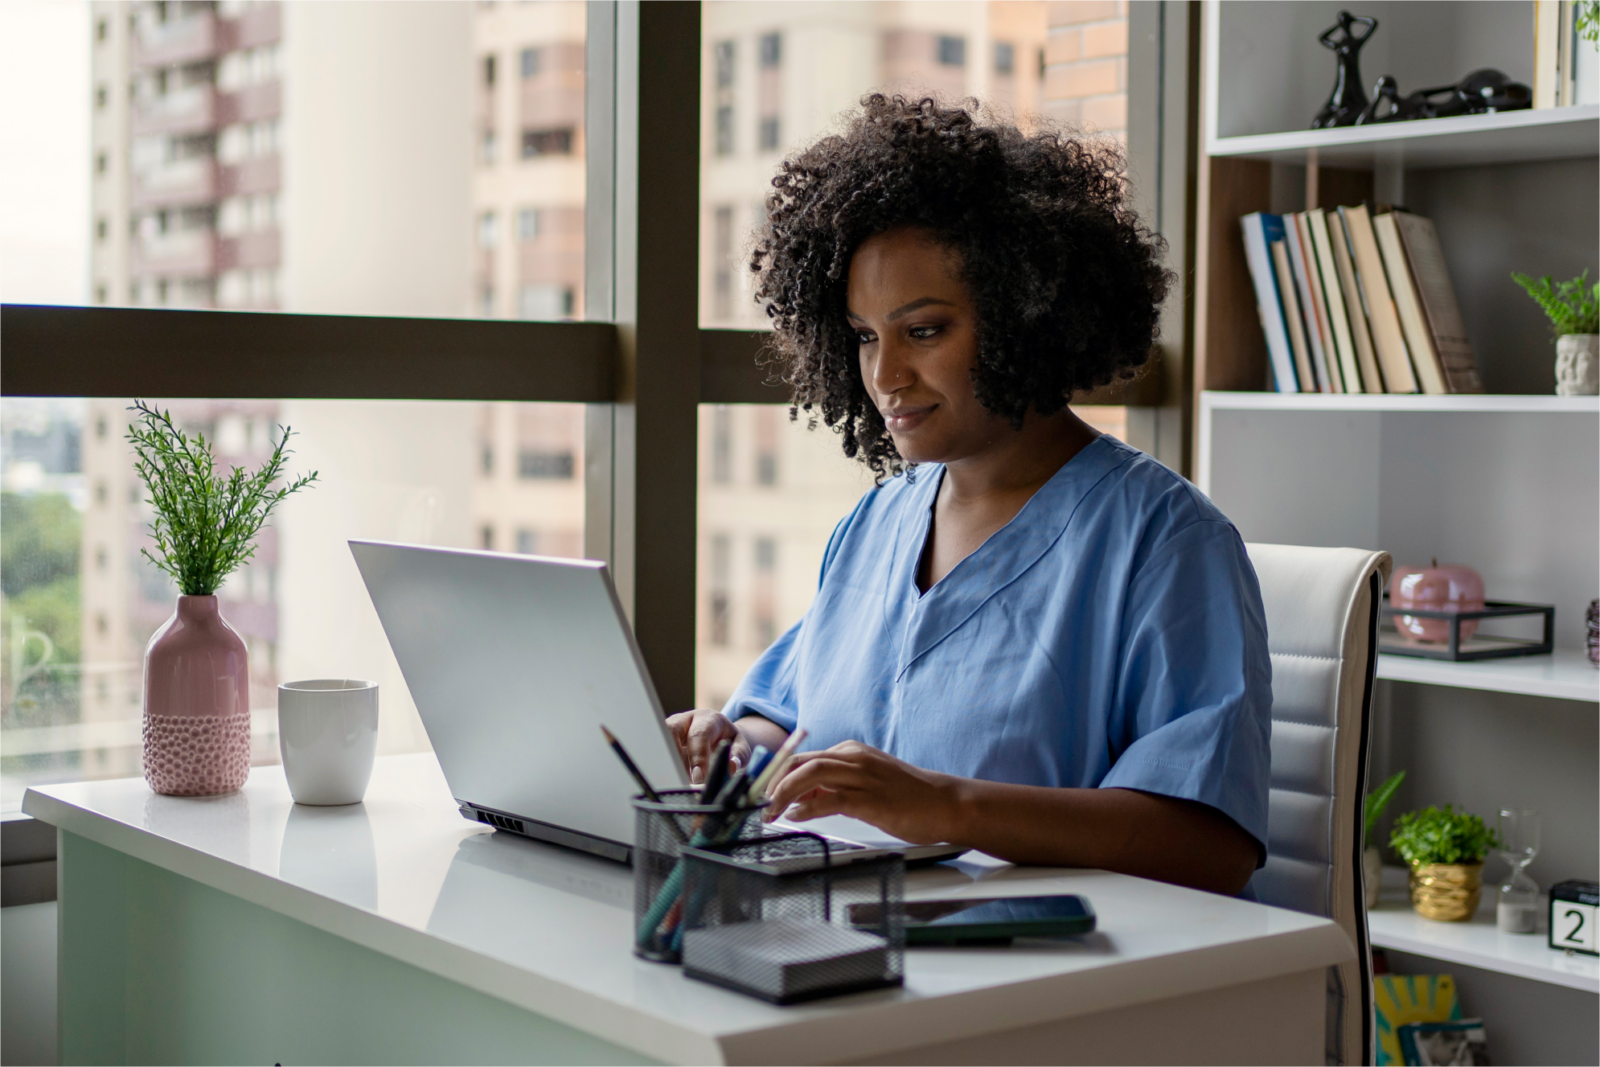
(1066, 281)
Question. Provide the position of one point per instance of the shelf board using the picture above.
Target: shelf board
(1566, 675)
(1393, 924)
(1508, 137)
(1264, 401)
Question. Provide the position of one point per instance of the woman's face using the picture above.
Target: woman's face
(918, 333)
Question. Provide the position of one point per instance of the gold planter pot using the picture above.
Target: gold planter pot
(1446, 892)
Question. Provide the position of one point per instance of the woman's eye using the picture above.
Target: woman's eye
(865, 337)
(922, 333)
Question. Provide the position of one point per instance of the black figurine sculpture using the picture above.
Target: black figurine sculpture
(1347, 101)
(1479, 93)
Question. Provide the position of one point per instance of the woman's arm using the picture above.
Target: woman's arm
(1121, 830)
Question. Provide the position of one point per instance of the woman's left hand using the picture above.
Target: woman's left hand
(866, 783)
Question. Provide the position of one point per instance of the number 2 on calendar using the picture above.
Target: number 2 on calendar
(1575, 925)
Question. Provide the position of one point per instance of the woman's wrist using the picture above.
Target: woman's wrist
(959, 801)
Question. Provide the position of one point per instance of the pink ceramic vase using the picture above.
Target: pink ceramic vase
(196, 703)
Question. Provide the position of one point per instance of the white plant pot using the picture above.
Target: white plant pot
(1578, 364)
(1372, 874)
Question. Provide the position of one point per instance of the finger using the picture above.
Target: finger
(819, 803)
(820, 772)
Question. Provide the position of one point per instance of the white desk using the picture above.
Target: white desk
(197, 930)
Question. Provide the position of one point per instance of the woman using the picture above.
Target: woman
(1028, 638)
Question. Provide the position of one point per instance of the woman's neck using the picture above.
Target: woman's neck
(1016, 461)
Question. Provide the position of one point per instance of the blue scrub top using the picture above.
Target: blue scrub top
(1111, 634)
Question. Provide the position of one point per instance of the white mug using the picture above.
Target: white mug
(328, 734)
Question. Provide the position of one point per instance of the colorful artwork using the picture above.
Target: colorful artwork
(1410, 998)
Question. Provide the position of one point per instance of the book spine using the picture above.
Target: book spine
(1332, 295)
(1291, 313)
(1260, 229)
(1418, 338)
(1546, 53)
(1360, 319)
(1310, 306)
(1387, 337)
(1425, 257)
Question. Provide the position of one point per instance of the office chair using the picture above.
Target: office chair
(1322, 633)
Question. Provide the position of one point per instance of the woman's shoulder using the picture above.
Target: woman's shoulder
(1139, 483)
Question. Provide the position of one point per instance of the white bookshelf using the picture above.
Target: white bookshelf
(1512, 136)
(1566, 675)
(1394, 924)
(1213, 401)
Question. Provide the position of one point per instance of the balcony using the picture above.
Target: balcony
(186, 254)
(186, 40)
(186, 181)
(260, 175)
(263, 248)
(251, 104)
(258, 25)
(191, 110)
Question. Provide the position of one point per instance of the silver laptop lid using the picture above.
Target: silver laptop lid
(514, 662)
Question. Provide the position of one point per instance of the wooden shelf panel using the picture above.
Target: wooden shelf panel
(1510, 137)
(1393, 924)
(1564, 675)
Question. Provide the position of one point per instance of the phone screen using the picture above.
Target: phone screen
(982, 911)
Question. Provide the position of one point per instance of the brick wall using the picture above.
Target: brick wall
(1086, 64)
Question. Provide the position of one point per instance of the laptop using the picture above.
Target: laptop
(514, 663)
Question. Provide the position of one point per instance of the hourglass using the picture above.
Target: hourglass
(1517, 910)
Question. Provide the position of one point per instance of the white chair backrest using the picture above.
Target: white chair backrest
(1322, 612)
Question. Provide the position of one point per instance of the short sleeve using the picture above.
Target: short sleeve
(1193, 718)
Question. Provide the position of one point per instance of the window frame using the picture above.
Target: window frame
(640, 363)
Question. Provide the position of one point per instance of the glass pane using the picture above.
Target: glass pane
(386, 158)
(80, 603)
(770, 493)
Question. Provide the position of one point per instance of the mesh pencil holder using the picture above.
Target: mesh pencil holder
(661, 833)
(775, 919)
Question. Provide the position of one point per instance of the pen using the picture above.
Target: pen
(775, 768)
(633, 768)
(716, 772)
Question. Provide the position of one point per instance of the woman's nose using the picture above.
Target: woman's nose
(892, 371)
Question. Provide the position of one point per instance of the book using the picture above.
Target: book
(1438, 298)
(1260, 230)
(1309, 286)
(1547, 53)
(1418, 337)
(1292, 316)
(1360, 330)
(1333, 296)
(1387, 336)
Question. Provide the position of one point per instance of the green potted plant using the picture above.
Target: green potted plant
(1371, 857)
(1574, 311)
(1445, 850)
(196, 667)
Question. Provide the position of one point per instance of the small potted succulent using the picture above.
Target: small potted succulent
(1445, 850)
(196, 667)
(1371, 857)
(1574, 311)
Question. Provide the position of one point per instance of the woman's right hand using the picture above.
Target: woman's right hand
(698, 733)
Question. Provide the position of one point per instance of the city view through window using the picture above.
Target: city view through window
(425, 159)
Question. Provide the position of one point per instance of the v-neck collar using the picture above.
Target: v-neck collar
(928, 618)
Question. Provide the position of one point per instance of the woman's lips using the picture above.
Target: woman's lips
(902, 419)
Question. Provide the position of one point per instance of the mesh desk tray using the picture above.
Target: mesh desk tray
(771, 918)
(1472, 645)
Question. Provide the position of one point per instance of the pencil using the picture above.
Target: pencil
(776, 766)
(633, 768)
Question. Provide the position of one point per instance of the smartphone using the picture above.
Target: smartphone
(984, 920)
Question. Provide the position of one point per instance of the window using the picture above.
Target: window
(771, 50)
(529, 62)
(534, 465)
(722, 249)
(100, 96)
(399, 471)
(527, 224)
(1005, 58)
(718, 581)
(101, 228)
(763, 607)
(488, 71)
(488, 229)
(556, 142)
(527, 542)
(724, 130)
(545, 302)
(768, 134)
(486, 303)
(487, 148)
(101, 30)
(724, 64)
(101, 162)
(952, 51)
